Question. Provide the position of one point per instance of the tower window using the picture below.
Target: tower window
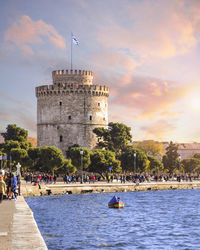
(99, 104)
(90, 118)
(69, 117)
(60, 103)
(61, 138)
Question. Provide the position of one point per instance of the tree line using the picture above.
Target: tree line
(115, 152)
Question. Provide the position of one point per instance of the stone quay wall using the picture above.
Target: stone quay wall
(29, 190)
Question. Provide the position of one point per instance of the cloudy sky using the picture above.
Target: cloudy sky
(146, 51)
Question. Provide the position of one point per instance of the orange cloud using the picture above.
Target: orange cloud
(164, 30)
(158, 129)
(116, 118)
(150, 96)
(169, 114)
(25, 32)
(121, 65)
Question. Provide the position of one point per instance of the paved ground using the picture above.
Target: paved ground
(7, 209)
(18, 229)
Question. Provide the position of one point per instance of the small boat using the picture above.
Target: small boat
(115, 203)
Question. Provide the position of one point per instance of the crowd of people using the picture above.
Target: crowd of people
(39, 178)
(139, 178)
(9, 186)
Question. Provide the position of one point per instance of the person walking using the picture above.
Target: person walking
(14, 186)
(2, 188)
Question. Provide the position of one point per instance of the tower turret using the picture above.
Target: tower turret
(83, 77)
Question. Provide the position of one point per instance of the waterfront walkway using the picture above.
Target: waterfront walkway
(18, 229)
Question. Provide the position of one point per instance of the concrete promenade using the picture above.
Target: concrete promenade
(18, 229)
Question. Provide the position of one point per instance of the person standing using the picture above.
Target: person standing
(2, 188)
(14, 186)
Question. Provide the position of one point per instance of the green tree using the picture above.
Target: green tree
(7, 146)
(115, 138)
(131, 156)
(19, 155)
(51, 158)
(155, 164)
(170, 159)
(150, 147)
(191, 165)
(2, 162)
(67, 167)
(34, 162)
(75, 156)
(197, 156)
(25, 145)
(101, 160)
(15, 133)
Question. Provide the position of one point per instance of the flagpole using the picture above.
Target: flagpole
(71, 50)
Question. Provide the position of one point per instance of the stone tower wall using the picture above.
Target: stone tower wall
(69, 110)
(83, 77)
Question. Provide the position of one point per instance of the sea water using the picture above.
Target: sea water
(167, 219)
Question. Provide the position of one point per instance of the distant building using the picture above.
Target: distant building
(69, 110)
(185, 150)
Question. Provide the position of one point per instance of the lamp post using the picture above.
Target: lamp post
(179, 162)
(134, 154)
(81, 153)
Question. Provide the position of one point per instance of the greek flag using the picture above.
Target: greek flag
(74, 40)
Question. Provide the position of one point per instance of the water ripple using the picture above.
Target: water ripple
(167, 219)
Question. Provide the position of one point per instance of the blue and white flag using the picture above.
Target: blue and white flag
(74, 40)
(4, 157)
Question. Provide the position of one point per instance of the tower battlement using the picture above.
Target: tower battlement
(84, 77)
(72, 72)
(65, 88)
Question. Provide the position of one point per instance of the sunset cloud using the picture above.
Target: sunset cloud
(150, 96)
(25, 32)
(164, 30)
(158, 130)
(20, 112)
(146, 52)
